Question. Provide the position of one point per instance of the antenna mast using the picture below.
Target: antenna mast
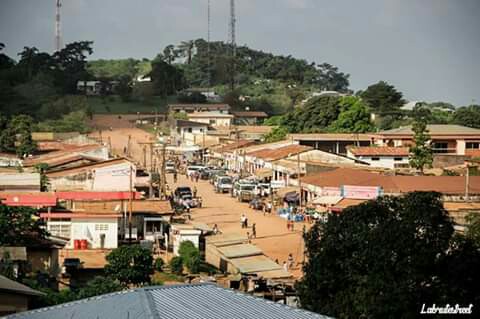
(233, 44)
(208, 46)
(58, 43)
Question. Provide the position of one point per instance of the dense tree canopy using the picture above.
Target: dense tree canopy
(130, 265)
(19, 226)
(329, 113)
(468, 116)
(387, 257)
(385, 101)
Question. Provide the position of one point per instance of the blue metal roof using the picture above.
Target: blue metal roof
(180, 301)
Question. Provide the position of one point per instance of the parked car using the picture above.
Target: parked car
(223, 184)
(256, 203)
(182, 192)
(214, 173)
(170, 167)
(205, 174)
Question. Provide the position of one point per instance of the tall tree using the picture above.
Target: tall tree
(71, 64)
(185, 49)
(17, 136)
(316, 115)
(384, 259)
(421, 153)
(353, 118)
(384, 100)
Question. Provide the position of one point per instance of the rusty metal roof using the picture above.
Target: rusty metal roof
(242, 250)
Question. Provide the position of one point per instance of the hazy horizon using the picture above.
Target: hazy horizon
(428, 49)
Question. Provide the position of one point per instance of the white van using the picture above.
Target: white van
(194, 168)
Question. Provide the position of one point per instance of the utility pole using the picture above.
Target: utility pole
(144, 157)
(130, 206)
(58, 41)
(299, 181)
(467, 183)
(163, 175)
(233, 44)
(128, 145)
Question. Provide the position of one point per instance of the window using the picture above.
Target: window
(398, 158)
(213, 122)
(472, 145)
(189, 130)
(440, 147)
(375, 158)
(101, 227)
(60, 229)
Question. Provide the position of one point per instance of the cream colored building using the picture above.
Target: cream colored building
(214, 119)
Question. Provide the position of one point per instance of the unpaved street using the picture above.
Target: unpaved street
(272, 234)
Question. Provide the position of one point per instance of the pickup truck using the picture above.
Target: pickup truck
(223, 184)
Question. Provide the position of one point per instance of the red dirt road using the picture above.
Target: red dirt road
(272, 234)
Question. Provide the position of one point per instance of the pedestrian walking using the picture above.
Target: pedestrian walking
(246, 222)
(175, 176)
(243, 218)
(254, 231)
(197, 176)
(215, 229)
(285, 266)
(195, 191)
(290, 261)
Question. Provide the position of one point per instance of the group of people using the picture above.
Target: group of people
(289, 264)
(194, 176)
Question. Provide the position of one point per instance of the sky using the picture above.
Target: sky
(428, 49)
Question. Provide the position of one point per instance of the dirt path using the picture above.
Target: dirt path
(111, 128)
(272, 234)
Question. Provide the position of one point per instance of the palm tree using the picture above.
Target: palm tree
(186, 50)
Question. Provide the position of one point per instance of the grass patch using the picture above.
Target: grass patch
(159, 278)
(113, 104)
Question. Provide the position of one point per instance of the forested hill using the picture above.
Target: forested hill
(199, 68)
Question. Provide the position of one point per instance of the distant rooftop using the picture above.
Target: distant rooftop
(434, 129)
(171, 302)
(330, 137)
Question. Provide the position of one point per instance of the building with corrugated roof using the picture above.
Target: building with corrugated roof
(171, 302)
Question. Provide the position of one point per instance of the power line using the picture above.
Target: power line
(58, 41)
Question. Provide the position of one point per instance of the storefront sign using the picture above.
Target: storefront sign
(360, 192)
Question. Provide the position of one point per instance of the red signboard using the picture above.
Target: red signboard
(97, 195)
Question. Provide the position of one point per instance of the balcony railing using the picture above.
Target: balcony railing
(444, 150)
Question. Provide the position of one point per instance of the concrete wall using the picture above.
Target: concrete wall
(446, 160)
(384, 161)
(90, 229)
(113, 178)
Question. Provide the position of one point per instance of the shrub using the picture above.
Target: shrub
(176, 265)
(159, 264)
(130, 264)
(190, 256)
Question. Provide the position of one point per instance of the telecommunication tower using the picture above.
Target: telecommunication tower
(58, 41)
(233, 43)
